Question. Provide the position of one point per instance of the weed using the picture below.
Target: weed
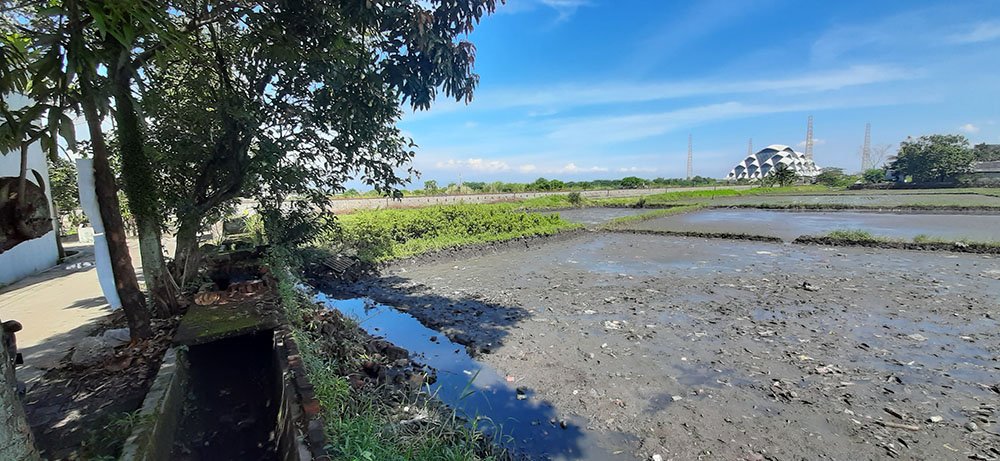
(381, 235)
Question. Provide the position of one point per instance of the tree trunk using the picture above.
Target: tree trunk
(126, 283)
(16, 441)
(187, 255)
(138, 182)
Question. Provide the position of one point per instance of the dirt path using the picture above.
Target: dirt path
(734, 350)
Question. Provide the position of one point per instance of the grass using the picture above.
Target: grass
(625, 220)
(107, 442)
(863, 236)
(855, 235)
(382, 235)
(699, 196)
(367, 424)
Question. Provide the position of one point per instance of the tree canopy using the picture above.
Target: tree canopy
(934, 158)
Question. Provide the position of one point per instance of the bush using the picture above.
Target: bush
(574, 199)
(379, 235)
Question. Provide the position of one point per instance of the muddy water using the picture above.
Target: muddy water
(791, 224)
(714, 349)
(595, 216)
(879, 199)
(531, 426)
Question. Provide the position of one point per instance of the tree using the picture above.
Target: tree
(16, 441)
(431, 187)
(272, 99)
(632, 182)
(782, 175)
(832, 177)
(986, 152)
(62, 177)
(873, 175)
(61, 47)
(935, 157)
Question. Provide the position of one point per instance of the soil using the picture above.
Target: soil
(717, 349)
(76, 412)
(789, 225)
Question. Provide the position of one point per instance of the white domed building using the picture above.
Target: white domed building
(762, 163)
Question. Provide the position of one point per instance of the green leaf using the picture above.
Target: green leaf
(67, 130)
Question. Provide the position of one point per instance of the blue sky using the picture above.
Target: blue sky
(582, 89)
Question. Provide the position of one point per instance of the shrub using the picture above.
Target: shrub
(574, 199)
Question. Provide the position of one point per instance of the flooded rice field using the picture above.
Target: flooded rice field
(595, 216)
(788, 225)
(717, 349)
(874, 199)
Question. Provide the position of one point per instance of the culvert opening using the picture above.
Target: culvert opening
(232, 403)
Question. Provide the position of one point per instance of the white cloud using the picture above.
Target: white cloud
(564, 8)
(548, 100)
(816, 142)
(969, 128)
(527, 168)
(982, 32)
(474, 164)
(572, 168)
(635, 169)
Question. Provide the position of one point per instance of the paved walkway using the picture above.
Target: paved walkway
(57, 307)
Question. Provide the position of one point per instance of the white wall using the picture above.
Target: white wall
(36, 254)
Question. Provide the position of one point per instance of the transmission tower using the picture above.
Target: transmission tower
(690, 156)
(809, 139)
(866, 152)
(750, 147)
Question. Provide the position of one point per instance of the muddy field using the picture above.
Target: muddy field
(861, 199)
(789, 225)
(712, 349)
(596, 215)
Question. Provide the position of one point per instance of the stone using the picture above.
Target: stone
(117, 336)
(935, 419)
(92, 350)
(657, 457)
(971, 426)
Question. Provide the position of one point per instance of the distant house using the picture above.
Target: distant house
(986, 170)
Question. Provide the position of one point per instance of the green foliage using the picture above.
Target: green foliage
(574, 198)
(934, 158)
(873, 175)
(65, 192)
(833, 177)
(430, 186)
(632, 182)
(854, 235)
(986, 152)
(783, 176)
(379, 235)
(106, 441)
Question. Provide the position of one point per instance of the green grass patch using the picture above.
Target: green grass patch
(855, 235)
(382, 235)
(704, 196)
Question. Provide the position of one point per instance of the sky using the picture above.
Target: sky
(586, 89)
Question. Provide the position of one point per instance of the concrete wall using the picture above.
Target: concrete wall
(40, 253)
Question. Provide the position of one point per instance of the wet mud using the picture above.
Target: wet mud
(789, 225)
(719, 349)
